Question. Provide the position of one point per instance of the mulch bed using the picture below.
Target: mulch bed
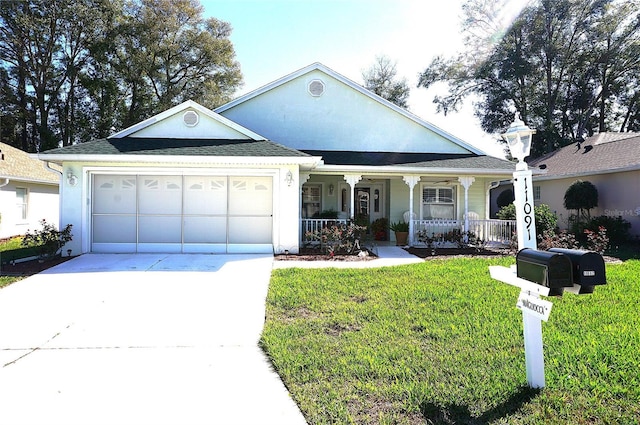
(28, 268)
(310, 254)
(441, 253)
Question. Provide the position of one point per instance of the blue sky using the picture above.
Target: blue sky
(273, 38)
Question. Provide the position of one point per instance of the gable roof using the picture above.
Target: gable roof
(600, 154)
(183, 107)
(19, 165)
(357, 87)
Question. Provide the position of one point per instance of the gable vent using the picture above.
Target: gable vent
(190, 118)
(316, 88)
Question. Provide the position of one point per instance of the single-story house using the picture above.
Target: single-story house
(255, 174)
(611, 161)
(28, 192)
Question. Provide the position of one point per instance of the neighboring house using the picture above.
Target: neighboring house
(611, 161)
(28, 192)
(253, 175)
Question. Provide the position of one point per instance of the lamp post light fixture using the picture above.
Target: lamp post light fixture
(519, 137)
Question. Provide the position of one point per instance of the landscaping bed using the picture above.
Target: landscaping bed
(28, 268)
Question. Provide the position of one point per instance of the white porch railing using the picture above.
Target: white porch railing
(317, 224)
(493, 232)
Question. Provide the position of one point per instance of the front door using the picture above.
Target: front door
(369, 202)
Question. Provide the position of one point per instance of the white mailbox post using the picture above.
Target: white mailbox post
(534, 309)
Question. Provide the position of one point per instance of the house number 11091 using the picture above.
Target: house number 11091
(528, 219)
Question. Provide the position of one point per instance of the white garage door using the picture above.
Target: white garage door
(159, 213)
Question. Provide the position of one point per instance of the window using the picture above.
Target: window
(438, 202)
(22, 202)
(536, 193)
(311, 200)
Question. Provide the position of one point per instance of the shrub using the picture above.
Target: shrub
(581, 196)
(339, 238)
(546, 220)
(49, 239)
(597, 241)
(617, 228)
(564, 239)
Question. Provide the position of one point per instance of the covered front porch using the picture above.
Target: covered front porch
(439, 208)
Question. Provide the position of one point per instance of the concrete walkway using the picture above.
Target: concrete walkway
(140, 339)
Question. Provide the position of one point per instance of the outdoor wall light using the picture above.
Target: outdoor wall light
(518, 138)
(331, 188)
(288, 178)
(72, 180)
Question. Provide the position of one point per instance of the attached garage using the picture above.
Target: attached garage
(181, 213)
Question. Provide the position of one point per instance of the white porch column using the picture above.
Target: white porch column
(466, 182)
(411, 181)
(352, 179)
(303, 179)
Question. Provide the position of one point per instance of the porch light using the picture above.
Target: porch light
(72, 180)
(331, 189)
(288, 178)
(518, 138)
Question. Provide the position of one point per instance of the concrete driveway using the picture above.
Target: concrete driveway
(140, 339)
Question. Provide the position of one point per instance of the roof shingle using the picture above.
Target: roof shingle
(598, 154)
(19, 165)
(178, 147)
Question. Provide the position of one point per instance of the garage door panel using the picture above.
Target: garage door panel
(114, 229)
(205, 230)
(250, 196)
(114, 195)
(248, 230)
(159, 229)
(160, 195)
(205, 195)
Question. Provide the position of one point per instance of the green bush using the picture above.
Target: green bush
(546, 220)
(49, 239)
(617, 228)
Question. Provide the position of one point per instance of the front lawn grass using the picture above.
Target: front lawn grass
(441, 342)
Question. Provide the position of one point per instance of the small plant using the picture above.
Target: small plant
(379, 228)
(399, 226)
(49, 239)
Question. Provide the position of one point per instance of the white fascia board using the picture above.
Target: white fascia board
(312, 162)
(182, 107)
(28, 180)
(395, 170)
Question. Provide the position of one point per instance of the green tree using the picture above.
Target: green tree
(581, 196)
(381, 79)
(568, 67)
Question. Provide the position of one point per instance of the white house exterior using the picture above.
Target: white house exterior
(28, 192)
(247, 176)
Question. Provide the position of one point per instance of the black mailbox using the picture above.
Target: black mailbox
(587, 267)
(551, 269)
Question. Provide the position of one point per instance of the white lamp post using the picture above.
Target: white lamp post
(518, 137)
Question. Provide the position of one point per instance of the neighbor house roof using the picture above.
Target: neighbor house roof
(18, 165)
(600, 154)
